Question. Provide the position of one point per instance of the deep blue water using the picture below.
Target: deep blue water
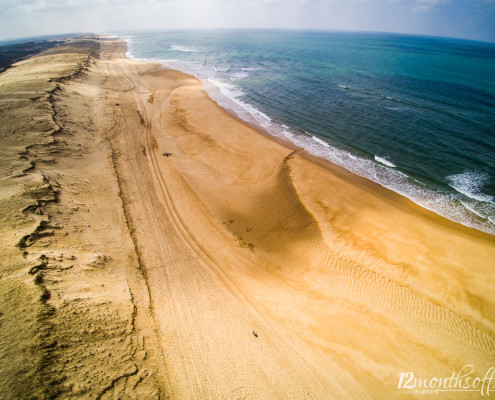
(414, 114)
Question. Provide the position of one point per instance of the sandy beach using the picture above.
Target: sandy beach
(155, 246)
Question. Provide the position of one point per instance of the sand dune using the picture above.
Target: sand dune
(67, 262)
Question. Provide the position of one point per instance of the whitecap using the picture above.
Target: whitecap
(227, 89)
(318, 140)
(385, 162)
(178, 47)
(473, 210)
(239, 75)
(470, 183)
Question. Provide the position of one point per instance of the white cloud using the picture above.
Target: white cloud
(29, 6)
(35, 17)
(426, 5)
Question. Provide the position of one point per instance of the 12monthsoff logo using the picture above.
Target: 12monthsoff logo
(466, 380)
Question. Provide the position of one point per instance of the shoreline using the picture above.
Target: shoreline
(214, 91)
(368, 183)
(358, 179)
(394, 196)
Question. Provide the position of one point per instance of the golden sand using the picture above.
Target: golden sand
(245, 268)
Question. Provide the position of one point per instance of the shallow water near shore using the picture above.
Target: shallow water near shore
(414, 114)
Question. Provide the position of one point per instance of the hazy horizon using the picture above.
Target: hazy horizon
(465, 19)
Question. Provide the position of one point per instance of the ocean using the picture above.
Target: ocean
(413, 114)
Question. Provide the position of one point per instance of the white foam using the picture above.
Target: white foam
(233, 102)
(318, 140)
(128, 53)
(239, 75)
(167, 60)
(220, 83)
(178, 47)
(227, 89)
(472, 209)
(343, 87)
(385, 162)
(470, 183)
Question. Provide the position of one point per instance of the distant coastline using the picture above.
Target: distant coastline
(10, 53)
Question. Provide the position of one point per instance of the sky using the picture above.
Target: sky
(469, 19)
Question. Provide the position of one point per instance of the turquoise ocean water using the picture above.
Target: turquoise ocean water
(414, 114)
